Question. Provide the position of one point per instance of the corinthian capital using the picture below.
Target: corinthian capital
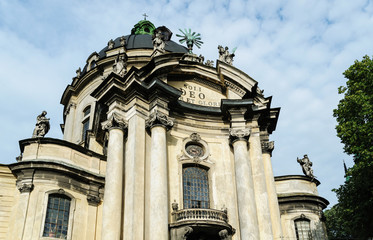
(267, 147)
(160, 119)
(239, 134)
(115, 121)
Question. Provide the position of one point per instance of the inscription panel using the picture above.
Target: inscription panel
(198, 94)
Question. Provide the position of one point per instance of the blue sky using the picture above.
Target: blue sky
(297, 51)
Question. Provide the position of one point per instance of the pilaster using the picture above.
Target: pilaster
(134, 173)
(267, 148)
(69, 122)
(260, 187)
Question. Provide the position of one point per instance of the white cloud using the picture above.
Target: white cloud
(296, 50)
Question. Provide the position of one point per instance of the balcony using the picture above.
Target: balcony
(200, 223)
(200, 214)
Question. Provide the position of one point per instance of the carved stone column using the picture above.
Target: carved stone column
(260, 187)
(267, 148)
(112, 208)
(69, 122)
(245, 187)
(158, 123)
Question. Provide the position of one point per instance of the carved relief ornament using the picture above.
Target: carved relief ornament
(195, 149)
(157, 118)
(237, 134)
(25, 187)
(268, 146)
(114, 121)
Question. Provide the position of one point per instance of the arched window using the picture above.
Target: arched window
(57, 216)
(195, 187)
(85, 122)
(303, 229)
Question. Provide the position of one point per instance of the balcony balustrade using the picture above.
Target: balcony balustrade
(200, 214)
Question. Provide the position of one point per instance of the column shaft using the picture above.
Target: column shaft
(158, 190)
(261, 196)
(245, 192)
(112, 213)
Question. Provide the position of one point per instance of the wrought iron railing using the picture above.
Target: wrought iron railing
(195, 214)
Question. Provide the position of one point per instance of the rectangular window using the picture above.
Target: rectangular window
(302, 229)
(57, 216)
(195, 187)
(85, 129)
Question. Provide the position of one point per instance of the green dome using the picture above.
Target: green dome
(143, 27)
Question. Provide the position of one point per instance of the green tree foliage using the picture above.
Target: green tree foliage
(355, 129)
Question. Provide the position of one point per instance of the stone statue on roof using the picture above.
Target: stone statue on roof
(110, 44)
(306, 165)
(42, 125)
(120, 65)
(158, 42)
(225, 56)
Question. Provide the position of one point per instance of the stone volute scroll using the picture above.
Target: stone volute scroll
(42, 125)
(237, 134)
(114, 121)
(306, 165)
(157, 118)
(195, 149)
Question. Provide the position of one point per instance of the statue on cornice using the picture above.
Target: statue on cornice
(78, 72)
(225, 56)
(122, 41)
(42, 125)
(110, 44)
(306, 165)
(158, 42)
(120, 65)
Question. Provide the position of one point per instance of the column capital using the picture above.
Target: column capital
(239, 134)
(157, 118)
(268, 146)
(25, 187)
(114, 122)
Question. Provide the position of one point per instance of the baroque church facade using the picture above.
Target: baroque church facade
(158, 144)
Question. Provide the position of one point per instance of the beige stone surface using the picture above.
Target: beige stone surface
(8, 199)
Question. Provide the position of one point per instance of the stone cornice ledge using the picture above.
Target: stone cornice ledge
(24, 142)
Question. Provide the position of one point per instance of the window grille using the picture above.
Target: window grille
(195, 187)
(57, 217)
(302, 229)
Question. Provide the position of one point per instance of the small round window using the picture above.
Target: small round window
(194, 149)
